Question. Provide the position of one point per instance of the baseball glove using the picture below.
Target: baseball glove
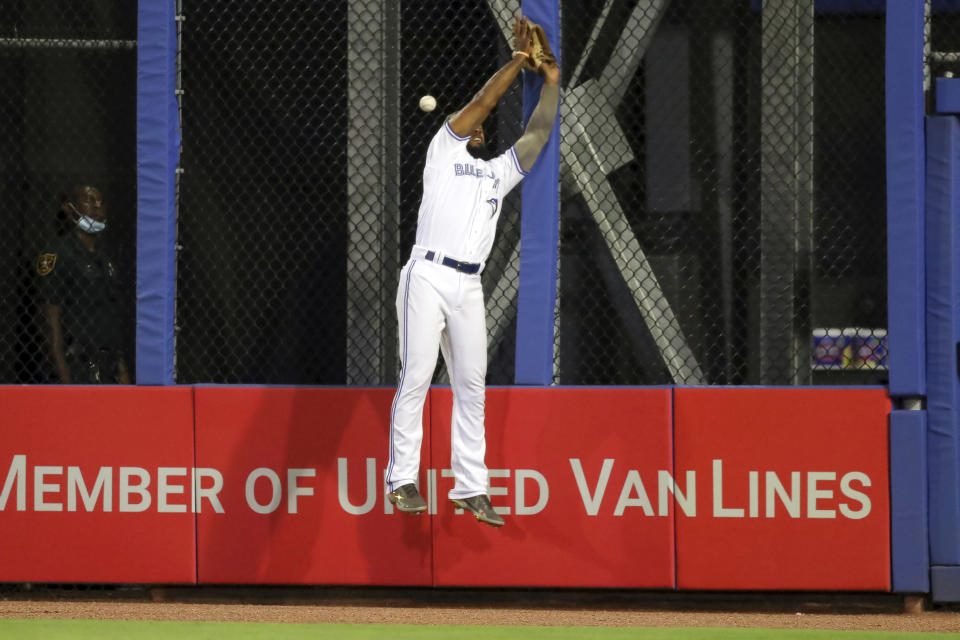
(540, 51)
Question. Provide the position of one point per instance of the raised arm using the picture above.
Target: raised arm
(537, 132)
(465, 121)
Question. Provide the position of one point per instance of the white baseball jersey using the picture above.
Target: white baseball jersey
(462, 197)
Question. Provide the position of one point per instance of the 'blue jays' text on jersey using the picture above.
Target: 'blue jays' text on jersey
(462, 197)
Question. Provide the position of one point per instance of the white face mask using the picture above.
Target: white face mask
(89, 225)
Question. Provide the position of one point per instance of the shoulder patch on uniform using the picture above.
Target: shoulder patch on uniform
(46, 262)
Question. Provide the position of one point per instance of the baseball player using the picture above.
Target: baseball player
(440, 298)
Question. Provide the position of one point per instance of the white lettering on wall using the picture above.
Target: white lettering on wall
(41, 487)
(342, 489)
(198, 492)
(520, 479)
(294, 490)
(667, 485)
(853, 494)
(128, 488)
(164, 489)
(719, 511)
(498, 491)
(796, 494)
(591, 500)
(631, 484)
(274, 479)
(754, 482)
(814, 494)
(103, 484)
(431, 496)
(790, 500)
(17, 475)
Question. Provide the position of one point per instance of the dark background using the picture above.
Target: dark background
(262, 275)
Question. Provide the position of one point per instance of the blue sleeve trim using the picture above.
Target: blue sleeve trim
(446, 125)
(905, 196)
(539, 228)
(158, 150)
(516, 161)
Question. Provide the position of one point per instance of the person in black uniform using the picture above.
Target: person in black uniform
(80, 297)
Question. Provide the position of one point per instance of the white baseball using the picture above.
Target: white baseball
(428, 103)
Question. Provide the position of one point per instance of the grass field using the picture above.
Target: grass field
(126, 630)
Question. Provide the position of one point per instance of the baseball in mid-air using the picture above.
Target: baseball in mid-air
(428, 103)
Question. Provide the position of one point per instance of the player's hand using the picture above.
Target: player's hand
(551, 73)
(522, 36)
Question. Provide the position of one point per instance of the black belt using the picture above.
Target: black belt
(462, 267)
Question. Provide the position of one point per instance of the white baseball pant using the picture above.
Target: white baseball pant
(440, 307)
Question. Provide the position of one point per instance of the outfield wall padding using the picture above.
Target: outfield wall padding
(576, 473)
(539, 226)
(905, 196)
(158, 153)
(943, 336)
(600, 487)
(96, 485)
(909, 534)
(795, 488)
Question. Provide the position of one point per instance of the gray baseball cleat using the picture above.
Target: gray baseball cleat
(480, 506)
(408, 499)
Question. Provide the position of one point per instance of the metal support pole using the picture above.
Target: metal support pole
(373, 189)
(786, 191)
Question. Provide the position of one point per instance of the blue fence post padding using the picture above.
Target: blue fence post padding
(905, 196)
(945, 583)
(539, 228)
(943, 336)
(948, 95)
(158, 152)
(909, 550)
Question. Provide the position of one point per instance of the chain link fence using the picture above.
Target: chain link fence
(303, 156)
(722, 186)
(722, 192)
(68, 143)
(262, 225)
(723, 212)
